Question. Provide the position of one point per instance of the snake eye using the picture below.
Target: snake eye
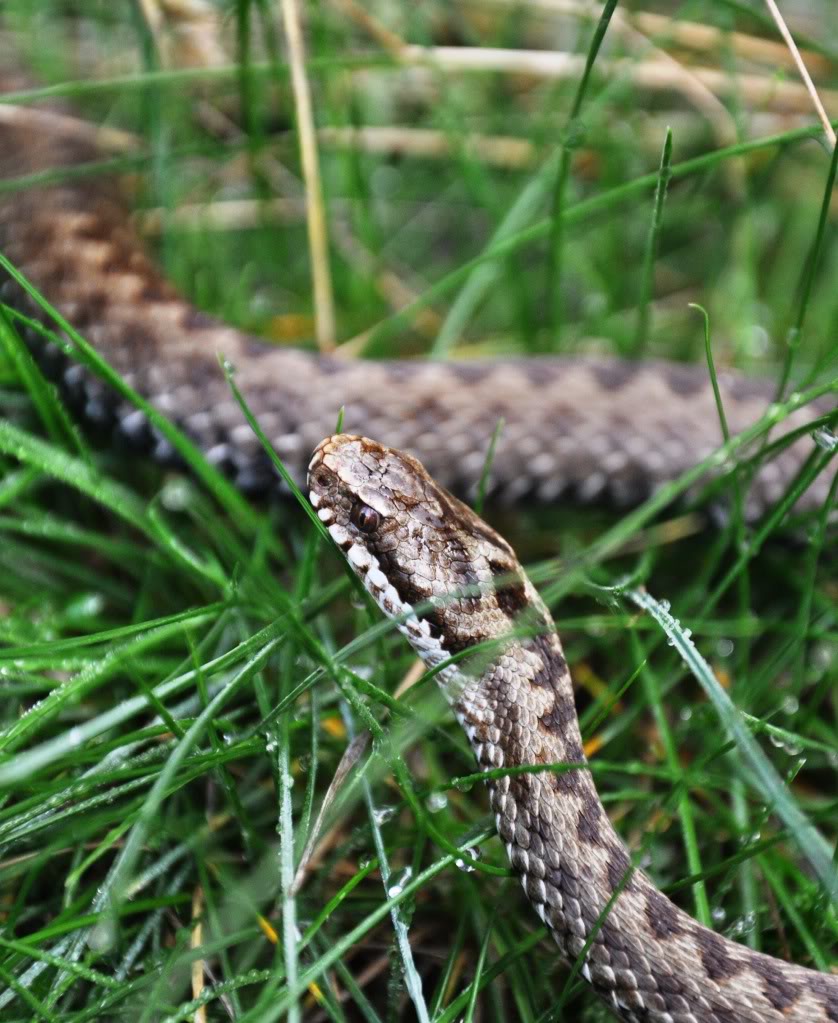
(365, 518)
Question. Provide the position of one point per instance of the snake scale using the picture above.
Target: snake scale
(583, 427)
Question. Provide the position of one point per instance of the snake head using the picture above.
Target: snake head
(427, 559)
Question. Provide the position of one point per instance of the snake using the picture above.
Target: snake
(575, 427)
(580, 427)
(453, 585)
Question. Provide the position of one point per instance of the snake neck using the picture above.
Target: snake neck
(646, 958)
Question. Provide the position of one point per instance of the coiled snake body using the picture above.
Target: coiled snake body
(589, 427)
(413, 545)
(584, 428)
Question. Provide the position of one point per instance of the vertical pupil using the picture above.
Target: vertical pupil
(365, 518)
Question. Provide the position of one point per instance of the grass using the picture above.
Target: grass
(192, 824)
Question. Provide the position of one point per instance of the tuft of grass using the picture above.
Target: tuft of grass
(225, 789)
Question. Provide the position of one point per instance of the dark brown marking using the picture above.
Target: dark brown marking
(554, 666)
(685, 381)
(662, 916)
(540, 373)
(559, 719)
(196, 319)
(568, 782)
(742, 388)
(711, 948)
(779, 991)
(573, 752)
(613, 375)
(509, 590)
(155, 290)
(588, 824)
(724, 1015)
(428, 412)
(472, 372)
(617, 867)
(828, 994)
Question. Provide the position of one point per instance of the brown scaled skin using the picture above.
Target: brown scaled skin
(411, 543)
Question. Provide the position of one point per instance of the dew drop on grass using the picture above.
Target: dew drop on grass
(102, 937)
(436, 801)
(823, 655)
(398, 887)
(384, 814)
(758, 340)
(719, 915)
(743, 926)
(86, 605)
(790, 705)
(177, 494)
(468, 868)
(825, 438)
(724, 647)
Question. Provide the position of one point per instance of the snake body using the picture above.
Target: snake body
(575, 427)
(451, 582)
(586, 427)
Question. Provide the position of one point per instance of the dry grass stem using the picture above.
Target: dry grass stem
(351, 755)
(668, 31)
(186, 33)
(801, 67)
(49, 121)
(318, 240)
(411, 677)
(195, 941)
(229, 215)
(657, 75)
(497, 150)
(712, 40)
(372, 26)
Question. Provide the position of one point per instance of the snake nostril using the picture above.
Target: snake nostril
(320, 477)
